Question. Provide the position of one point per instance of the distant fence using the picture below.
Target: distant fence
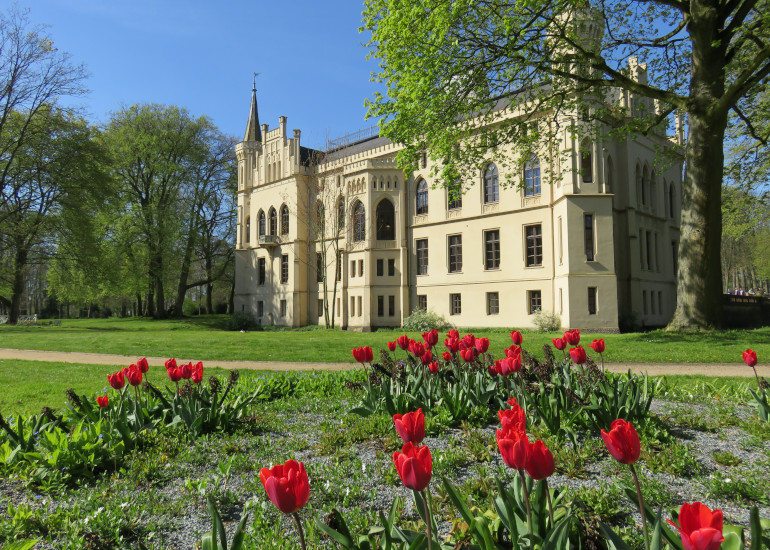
(746, 311)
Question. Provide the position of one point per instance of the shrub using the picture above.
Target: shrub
(423, 320)
(241, 321)
(547, 321)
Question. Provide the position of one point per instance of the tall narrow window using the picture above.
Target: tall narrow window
(422, 198)
(391, 306)
(492, 249)
(592, 300)
(671, 201)
(609, 176)
(360, 268)
(261, 223)
(260, 308)
(248, 228)
(560, 238)
(588, 238)
(391, 267)
(532, 177)
(645, 181)
(586, 162)
(341, 213)
(284, 220)
(319, 267)
(534, 241)
(648, 249)
(261, 271)
(455, 197)
(421, 247)
(380, 267)
(455, 304)
(273, 221)
(359, 222)
(675, 256)
(284, 268)
(320, 307)
(491, 187)
(283, 308)
(386, 221)
(339, 265)
(533, 301)
(380, 306)
(422, 301)
(455, 253)
(493, 303)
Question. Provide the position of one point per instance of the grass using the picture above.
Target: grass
(203, 338)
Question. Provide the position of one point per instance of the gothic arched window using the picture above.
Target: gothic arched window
(284, 220)
(386, 221)
(422, 197)
(273, 221)
(248, 228)
(261, 223)
(532, 177)
(491, 187)
(359, 222)
(341, 213)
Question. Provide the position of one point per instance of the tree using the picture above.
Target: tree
(746, 236)
(167, 165)
(450, 66)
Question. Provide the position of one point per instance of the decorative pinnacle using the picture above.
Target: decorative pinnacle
(254, 85)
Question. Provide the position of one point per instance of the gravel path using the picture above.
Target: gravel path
(653, 369)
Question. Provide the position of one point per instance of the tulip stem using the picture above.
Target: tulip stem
(550, 506)
(427, 516)
(641, 507)
(526, 499)
(759, 386)
(299, 529)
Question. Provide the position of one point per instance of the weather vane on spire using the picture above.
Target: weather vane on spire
(254, 86)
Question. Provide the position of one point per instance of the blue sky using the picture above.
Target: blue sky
(201, 55)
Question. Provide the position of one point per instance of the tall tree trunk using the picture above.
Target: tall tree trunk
(699, 282)
(17, 287)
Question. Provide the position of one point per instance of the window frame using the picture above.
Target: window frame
(455, 253)
(284, 269)
(383, 214)
(493, 303)
(421, 198)
(422, 256)
(284, 220)
(261, 271)
(589, 240)
(273, 219)
(359, 222)
(533, 246)
(491, 249)
(534, 301)
(532, 186)
(491, 184)
(455, 303)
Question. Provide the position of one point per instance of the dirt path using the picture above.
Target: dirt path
(653, 369)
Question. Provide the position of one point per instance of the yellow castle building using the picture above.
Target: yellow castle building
(346, 236)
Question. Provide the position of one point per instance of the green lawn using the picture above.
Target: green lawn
(202, 338)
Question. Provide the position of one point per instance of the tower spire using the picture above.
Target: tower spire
(253, 131)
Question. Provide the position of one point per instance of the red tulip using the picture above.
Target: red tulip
(363, 354)
(468, 354)
(170, 363)
(572, 337)
(447, 356)
(416, 348)
(597, 345)
(414, 466)
(514, 419)
(403, 342)
(410, 426)
(510, 365)
(433, 367)
(186, 370)
(516, 337)
(102, 401)
(392, 345)
(452, 344)
(468, 340)
(578, 355)
(513, 402)
(430, 338)
(514, 447)
(453, 334)
(174, 374)
(540, 463)
(482, 345)
(117, 380)
(134, 376)
(699, 527)
(622, 441)
(286, 485)
(493, 369)
(559, 343)
(513, 351)
(750, 357)
(143, 365)
(197, 372)
(426, 357)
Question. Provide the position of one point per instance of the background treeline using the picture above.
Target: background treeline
(130, 218)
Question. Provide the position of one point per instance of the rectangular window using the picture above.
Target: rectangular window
(454, 199)
(380, 268)
(588, 236)
(391, 306)
(260, 309)
(648, 249)
(261, 271)
(352, 306)
(641, 249)
(455, 304)
(422, 301)
(561, 243)
(533, 299)
(592, 300)
(320, 308)
(319, 267)
(380, 306)
(284, 268)
(352, 268)
(339, 308)
(534, 245)
(391, 267)
(421, 246)
(283, 308)
(561, 302)
(360, 306)
(587, 166)
(493, 303)
(455, 254)
(675, 255)
(360, 268)
(492, 249)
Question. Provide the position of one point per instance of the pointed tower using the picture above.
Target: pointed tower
(253, 131)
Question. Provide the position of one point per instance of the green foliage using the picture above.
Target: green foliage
(217, 539)
(241, 321)
(422, 320)
(547, 321)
